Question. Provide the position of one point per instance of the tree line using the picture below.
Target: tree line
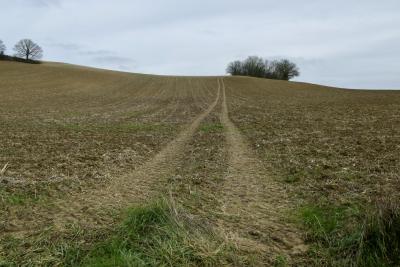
(258, 67)
(25, 49)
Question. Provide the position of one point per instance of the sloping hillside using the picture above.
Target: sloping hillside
(279, 172)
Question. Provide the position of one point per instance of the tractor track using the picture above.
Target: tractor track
(91, 206)
(253, 203)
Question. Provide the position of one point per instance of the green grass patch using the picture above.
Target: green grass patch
(212, 128)
(15, 198)
(280, 261)
(352, 236)
(290, 179)
(156, 235)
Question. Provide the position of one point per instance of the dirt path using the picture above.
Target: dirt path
(88, 207)
(252, 202)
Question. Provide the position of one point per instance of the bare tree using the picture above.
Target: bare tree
(2, 47)
(286, 70)
(270, 69)
(254, 66)
(235, 68)
(27, 49)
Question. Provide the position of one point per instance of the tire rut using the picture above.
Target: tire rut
(91, 208)
(253, 203)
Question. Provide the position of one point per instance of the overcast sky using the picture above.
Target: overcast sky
(346, 43)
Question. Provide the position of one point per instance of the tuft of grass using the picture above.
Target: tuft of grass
(323, 221)
(345, 236)
(155, 235)
(19, 197)
(291, 179)
(13, 198)
(380, 239)
(280, 261)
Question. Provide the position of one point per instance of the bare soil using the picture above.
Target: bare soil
(80, 145)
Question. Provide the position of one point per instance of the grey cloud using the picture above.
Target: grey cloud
(114, 62)
(66, 46)
(101, 56)
(124, 68)
(41, 3)
(112, 59)
(96, 52)
(336, 42)
(81, 49)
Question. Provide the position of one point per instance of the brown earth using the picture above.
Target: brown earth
(243, 154)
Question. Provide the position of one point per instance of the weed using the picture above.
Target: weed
(292, 179)
(11, 198)
(280, 261)
(18, 196)
(345, 236)
(380, 239)
(154, 235)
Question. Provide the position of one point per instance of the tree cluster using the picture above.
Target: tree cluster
(25, 50)
(258, 67)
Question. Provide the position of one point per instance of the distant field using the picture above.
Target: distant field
(205, 171)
